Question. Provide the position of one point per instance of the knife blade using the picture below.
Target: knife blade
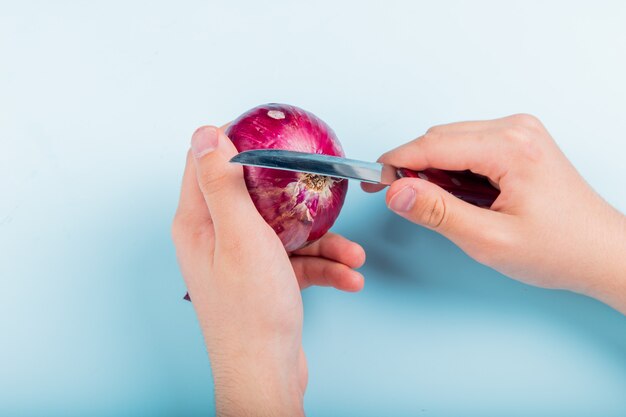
(466, 185)
(313, 163)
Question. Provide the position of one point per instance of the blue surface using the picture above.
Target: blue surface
(97, 104)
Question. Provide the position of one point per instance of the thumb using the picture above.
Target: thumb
(431, 206)
(222, 184)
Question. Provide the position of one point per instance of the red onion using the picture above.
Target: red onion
(299, 207)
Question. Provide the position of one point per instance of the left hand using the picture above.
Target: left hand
(245, 287)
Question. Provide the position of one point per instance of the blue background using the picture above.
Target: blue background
(98, 101)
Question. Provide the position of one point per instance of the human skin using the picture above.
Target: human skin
(245, 288)
(547, 228)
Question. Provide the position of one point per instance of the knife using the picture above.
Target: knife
(472, 188)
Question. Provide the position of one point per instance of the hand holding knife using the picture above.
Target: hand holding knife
(472, 188)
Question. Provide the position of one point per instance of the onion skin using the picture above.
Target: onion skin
(300, 207)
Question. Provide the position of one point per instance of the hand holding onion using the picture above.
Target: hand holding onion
(247, 243)
(245, 286)
(300, 207)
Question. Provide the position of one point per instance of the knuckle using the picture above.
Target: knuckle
(515, 134)
(433, 213)
(175, 231)
(179, 230)
(522, 141)
(434, 130)
(399, 155)
(186, 227)
(526, 120)
(385, 157)
(431, 135)
(212, 182)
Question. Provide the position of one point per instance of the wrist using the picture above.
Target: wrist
(610, 286)
(263, 385)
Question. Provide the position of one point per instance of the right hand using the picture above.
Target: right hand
(547, 228)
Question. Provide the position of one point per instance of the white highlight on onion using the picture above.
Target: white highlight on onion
(276, 114)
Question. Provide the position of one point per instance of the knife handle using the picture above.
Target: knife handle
(472, 188)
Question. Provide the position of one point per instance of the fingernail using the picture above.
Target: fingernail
(403, 201)
(203, 141)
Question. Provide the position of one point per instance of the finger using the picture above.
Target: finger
(222, 184)
(446, 147)
(468, 126)
(336, 248)
(449, 128)
(192, 229)
(322, 272)
(372, 188)
(304, 371)
(192, 219)
(428, 205)
(481, 152)
(191, 202)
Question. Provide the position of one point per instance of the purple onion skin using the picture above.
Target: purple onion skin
(299, 207)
